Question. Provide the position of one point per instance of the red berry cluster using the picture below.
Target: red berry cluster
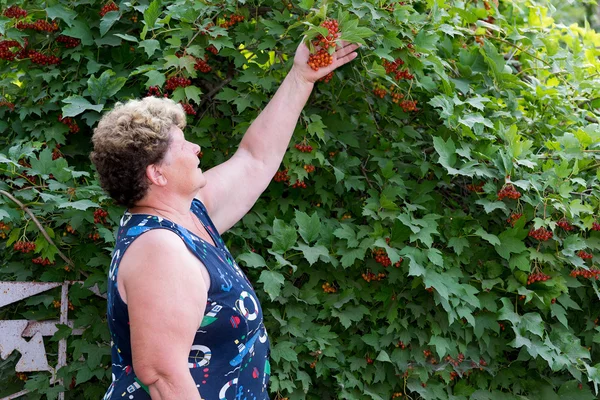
(154, 91)
(392, 66)
(592, 273)
(502, 327)
(14, 12)
(94, 236)
(403, 74)
(509, 191)
(453, 375)
(202, 66)
(397, 97)
(320, 59)
(39, 25)
(309, 168)
(563, 223)
(368, 359)
(68, 41)
(401, 345)
(327, 77)
(595, 226)
(477, 188)
(537, 277)
(299, 185)
(100, 216)
(541, 234)
(281, 176)
(5, 49)
(513, 218)
(108, 7)
(328, 41)
(369, 276)
(212, 49)
(409, 105)
(8, 104)
(382, 258)
(460, 358)
(395, 395)
(42, 59)
(328, 288)
(304, 148)
(174, 82)
(189, 110)
(24, 247)
(233, 19)
(42, 261)
(56, 154)
(380, 92)
(584, 255)
(3, 227)
(70, 122)
(70, 229)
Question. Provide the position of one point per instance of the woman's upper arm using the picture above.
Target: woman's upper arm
(166, 297)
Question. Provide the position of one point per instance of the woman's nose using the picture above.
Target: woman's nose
(196, 149)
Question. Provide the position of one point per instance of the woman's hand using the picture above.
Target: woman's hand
(343, 54)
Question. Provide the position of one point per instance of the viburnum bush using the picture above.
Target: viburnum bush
(431, 233)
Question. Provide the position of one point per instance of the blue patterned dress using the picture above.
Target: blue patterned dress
(229, 358)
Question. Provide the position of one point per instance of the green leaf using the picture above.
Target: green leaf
(283, 237)
(126, 37)
(252, 260)
(308, 227)
(312, 254)
(346, 232)
(350, 256)
(350, 314)
(79, 205)
(490, 206)
(193, 93)
(272, 282)
(284, 351)
(61, 12)
(105, 86)
(108, 21)
(80, 30)
(77, 104)
(155, 78)
(560, 313)
(441, 344)
(446, 150)
(150, 46)
(532, 322)
(151, 15)
(509, 245)
(458, 244)
(492, 239)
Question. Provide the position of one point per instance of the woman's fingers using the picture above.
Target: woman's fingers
(344, 51)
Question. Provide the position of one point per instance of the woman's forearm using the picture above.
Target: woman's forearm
(269, 135)
(174, 387)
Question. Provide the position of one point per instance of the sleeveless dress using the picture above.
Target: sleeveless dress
(229, 358)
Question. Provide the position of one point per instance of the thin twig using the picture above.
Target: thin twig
(39, 225)
(364, 172)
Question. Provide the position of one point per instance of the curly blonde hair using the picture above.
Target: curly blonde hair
(127, 139)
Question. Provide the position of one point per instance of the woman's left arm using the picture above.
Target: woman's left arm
(234, 186)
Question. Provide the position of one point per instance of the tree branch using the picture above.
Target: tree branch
(39, 225)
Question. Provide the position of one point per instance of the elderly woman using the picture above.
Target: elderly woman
(185, 321)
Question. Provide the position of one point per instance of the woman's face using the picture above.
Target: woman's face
(181, 165)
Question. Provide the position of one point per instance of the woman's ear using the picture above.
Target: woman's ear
(155, 175)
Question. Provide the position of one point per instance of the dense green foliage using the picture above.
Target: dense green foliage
(501, 141)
